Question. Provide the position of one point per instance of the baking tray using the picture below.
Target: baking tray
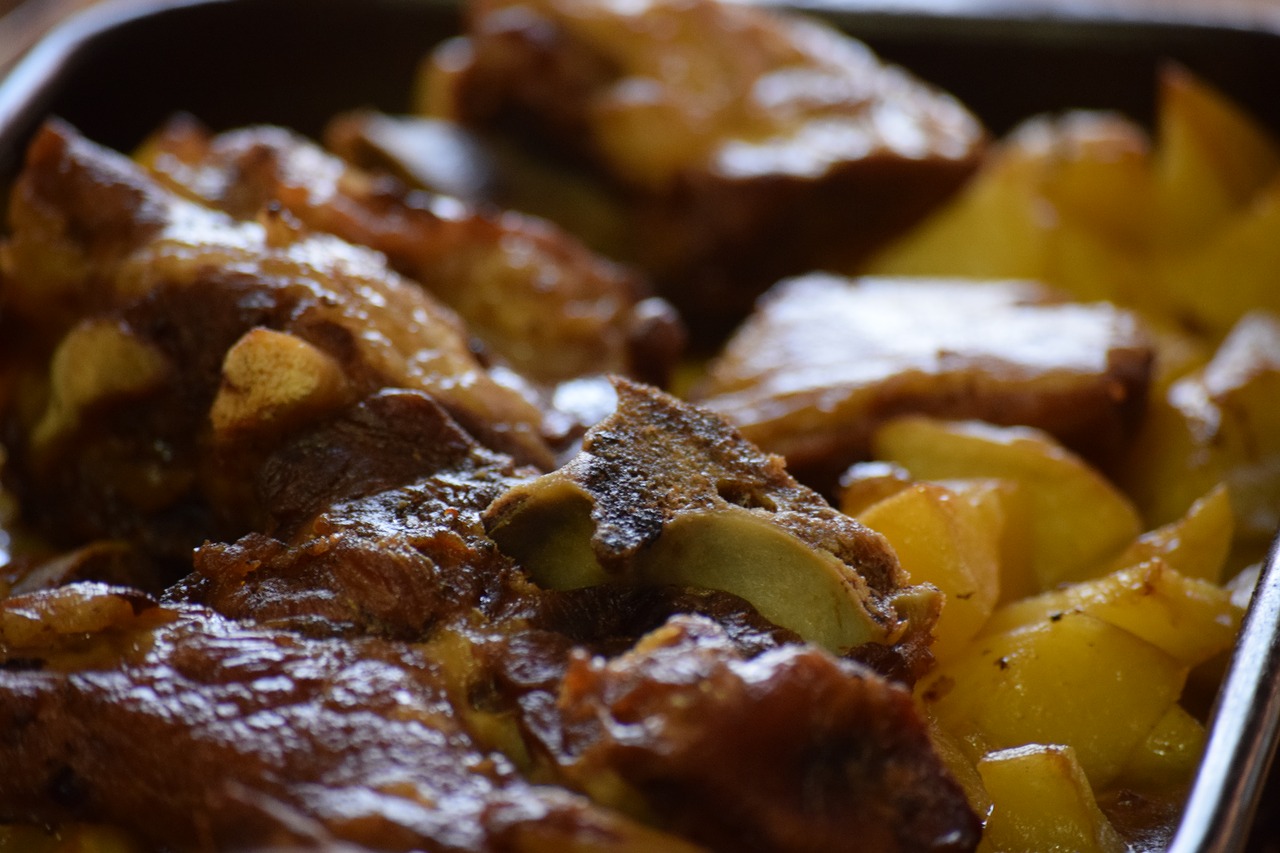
(117, 70)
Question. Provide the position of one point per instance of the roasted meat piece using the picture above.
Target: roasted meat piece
(824, 360)
(833, 752)
(749, 144)
(663, 493)
(400, 634)
(186, 345)
(536, 299)
(197, 733)
(376, 530)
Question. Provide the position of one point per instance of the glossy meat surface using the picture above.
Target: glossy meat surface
(376, 530)
(751, 144)
(532, 294)
(686, 751)
(824, 360)
(664, 493)
(198, 733)
(354, 660)
(185, 345)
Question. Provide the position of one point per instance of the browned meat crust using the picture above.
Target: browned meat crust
(824, 360)
(187, 345)
(369, 669)
(535, 298)
(377, 530)
(198, 733)
(749, 145)
(682, 719)
(665, 493)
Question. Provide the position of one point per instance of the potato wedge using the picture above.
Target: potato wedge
(1169, 756)
(1196, 545)
(1218, 424)
(942, 538)
(1190, 619)
(1078, 521)
(1211, 158)
(1076, 681)
(1042, 801)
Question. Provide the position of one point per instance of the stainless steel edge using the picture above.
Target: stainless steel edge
(1243, 732)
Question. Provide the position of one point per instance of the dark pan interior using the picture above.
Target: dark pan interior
(296, 62)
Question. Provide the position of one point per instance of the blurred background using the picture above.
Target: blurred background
(23, 22)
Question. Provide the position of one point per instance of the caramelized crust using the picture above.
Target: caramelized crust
(824, 360)
(377, 530)
(187, 345)
(750, 144)
(533, 295)
(664, 493)
(196, 733)
(361, 660)
(682, 719)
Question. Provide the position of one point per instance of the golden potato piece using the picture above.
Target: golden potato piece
(1168, 758)
(1190, 619)
(1063, 199)
(1042, 801)
(943, 539)
(866, 483)
(1210, 285)
(1076, 681)
(1215, 425)
(825, 360)
(1196, 545)
(1077, 520)
(1211, 158)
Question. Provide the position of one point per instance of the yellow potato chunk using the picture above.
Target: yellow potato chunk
(1084, 202)
(1169, 756)
(866, 483)
(1001, 504)
(1212, 158)
(1218, 424)
(1196, 545)
(1077, 520)
(943, 539)
(1188, 618)
(1076, 681)
(955, 756)
(1042, 801)
(1212, 284)
(1065, 200)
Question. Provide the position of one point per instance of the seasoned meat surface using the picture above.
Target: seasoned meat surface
(664, 493)
(376, 530)
(750, 145)
(535, 298)
(185, 345)
(824, 360)
(366, 653)
(196, 732)
(682, 719)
